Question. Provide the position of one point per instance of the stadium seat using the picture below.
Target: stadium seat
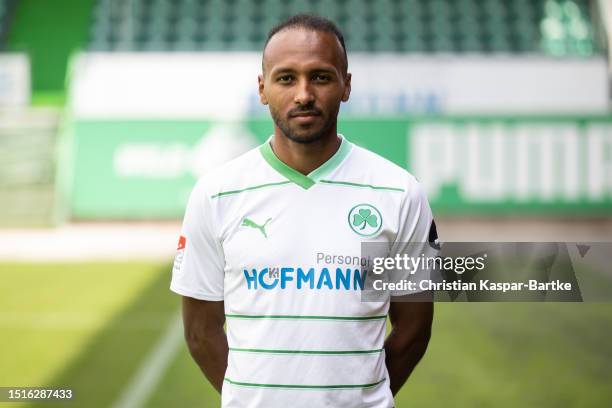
(442, 43)
(99, 45)
(213, 28)
(413, 43)
(187, 30)
(386, 43)
(330, 9)
(273, 9)
(184, 45)
(156, 45)
(358, 9)
(470, 44)
(384, 9)
(299, 6)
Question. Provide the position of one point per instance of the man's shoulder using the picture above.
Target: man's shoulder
(369, 166)
(235, 166)
(244, 171)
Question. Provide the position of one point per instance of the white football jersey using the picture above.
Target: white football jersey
(283, 251)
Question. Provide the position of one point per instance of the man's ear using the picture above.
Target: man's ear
(347, 87)
(262, 96)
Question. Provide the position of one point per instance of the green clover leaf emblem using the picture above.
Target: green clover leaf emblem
(364, 218)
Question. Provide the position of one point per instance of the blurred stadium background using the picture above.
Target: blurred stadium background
(111, 109)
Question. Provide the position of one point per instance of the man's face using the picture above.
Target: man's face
(304, 80)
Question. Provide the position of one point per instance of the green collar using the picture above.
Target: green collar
(317, 174)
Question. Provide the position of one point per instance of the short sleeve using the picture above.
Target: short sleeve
(198, 270)
(417, 236)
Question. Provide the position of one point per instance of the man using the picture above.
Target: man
(269, 239)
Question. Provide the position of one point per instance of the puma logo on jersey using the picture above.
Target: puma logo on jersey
(262, 228)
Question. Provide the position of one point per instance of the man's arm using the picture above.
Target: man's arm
(407, 342)
(203, 321)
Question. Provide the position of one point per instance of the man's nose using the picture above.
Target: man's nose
(303, 93)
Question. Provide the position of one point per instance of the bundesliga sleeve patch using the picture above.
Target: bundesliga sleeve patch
(180, 253)
(181, 243)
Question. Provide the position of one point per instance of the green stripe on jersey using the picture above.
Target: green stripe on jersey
(225, 193)
(293, 317)
(305, 387)
(349, 184)
(310, 352)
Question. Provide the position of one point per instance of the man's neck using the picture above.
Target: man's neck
(305, 157)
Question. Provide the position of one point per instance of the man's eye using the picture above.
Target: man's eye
(285, 78)
(321, 77)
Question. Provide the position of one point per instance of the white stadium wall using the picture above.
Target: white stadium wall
(224, 85)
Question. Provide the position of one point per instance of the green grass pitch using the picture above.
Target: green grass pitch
(89, 327)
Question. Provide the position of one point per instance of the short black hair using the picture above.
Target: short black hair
(309, 22)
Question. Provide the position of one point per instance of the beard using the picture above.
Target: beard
(300, 134)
